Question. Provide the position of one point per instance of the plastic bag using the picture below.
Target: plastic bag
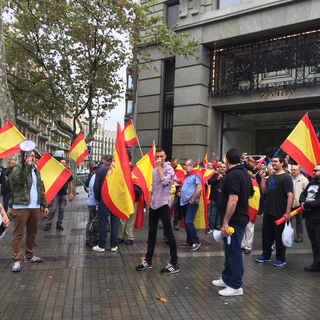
(287, 235)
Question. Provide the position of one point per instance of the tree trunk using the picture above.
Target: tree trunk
(6, 103)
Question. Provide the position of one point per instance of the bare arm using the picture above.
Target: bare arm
(196, 193)
(231, 207)
(5, 220)
(70, 189)
(263, 181)
(289, 206)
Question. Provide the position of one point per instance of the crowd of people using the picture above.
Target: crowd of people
(283, 185)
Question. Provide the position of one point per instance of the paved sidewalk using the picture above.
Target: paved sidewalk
(75, 282)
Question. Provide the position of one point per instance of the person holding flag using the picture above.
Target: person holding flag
(162, 178)
(189, 200)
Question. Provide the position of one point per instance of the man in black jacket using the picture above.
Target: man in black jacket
(3, 187)
(216, 182)
(310, 203)
(233, 209)
(103, 211)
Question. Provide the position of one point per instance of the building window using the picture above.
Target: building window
(172, 14)
(226, 3)
(129, 82)
(129, 107)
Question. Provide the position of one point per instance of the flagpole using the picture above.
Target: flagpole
(134, 129)
(79, 180)
(272, 158)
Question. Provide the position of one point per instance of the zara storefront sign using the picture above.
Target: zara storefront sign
(277, 94)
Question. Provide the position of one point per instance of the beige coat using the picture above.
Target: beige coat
(300, 185)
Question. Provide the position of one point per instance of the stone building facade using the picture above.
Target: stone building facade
(257, 74)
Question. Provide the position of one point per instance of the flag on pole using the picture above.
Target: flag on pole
(224, 158)
(53, 174)
(303, 145)
(130, 137)
(78, 149)
(142, 177)
(10, 138)
(261, 160)
(117, 189)
(250, 160)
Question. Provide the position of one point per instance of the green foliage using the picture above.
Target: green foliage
(64, 56)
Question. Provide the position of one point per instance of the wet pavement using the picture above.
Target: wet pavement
(75, 282)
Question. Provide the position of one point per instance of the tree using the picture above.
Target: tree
(64, 56)
(6, 103)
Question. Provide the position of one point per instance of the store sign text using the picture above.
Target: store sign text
(277, 94)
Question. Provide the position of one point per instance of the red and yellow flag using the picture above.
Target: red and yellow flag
(10, 138)
(130, 137)
(53, 174)
(117, 189)
(78, 149)
(254, 202)
(302, 145)
(179, 172)
(142, 177)
(250, 160)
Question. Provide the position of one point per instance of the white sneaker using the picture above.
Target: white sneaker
(16, 267)
(98, 249)
(114, 249)
(229, 292)
(219, 283)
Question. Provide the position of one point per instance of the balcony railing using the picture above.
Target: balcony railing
(281, 63)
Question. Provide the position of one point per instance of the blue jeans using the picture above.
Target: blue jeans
(189, 212)
(214, 217)
(233, 272)
(103, 214)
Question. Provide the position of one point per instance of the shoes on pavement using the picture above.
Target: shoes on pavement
(167, 242)
(175, 227)
(247, 251)
(262, 259)
(160, 226)
(279, 263)
(98, 249)
(170, 268)
(114, 249)
(33, 259)
(120, 240)
(59, 227)
(298, 240)
(216, 228)
(129, 242)
(209, 230)
(195, 246)
(16, 267)
(313, 268)
(144, 265)
(47, 227)
(184, 245)
(230, 292)
(219, 283)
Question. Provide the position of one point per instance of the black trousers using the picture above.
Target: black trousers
(270, 233)
(313, 230)
(162, 213)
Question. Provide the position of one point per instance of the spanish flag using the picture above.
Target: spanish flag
(117, 189)
(130, 137)
(142, 177)
(303, 145)
(10, 138)
(254, 202)
(78, 149)
(179, 172)
(53, 174)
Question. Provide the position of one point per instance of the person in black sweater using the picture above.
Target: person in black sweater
(216, 182)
